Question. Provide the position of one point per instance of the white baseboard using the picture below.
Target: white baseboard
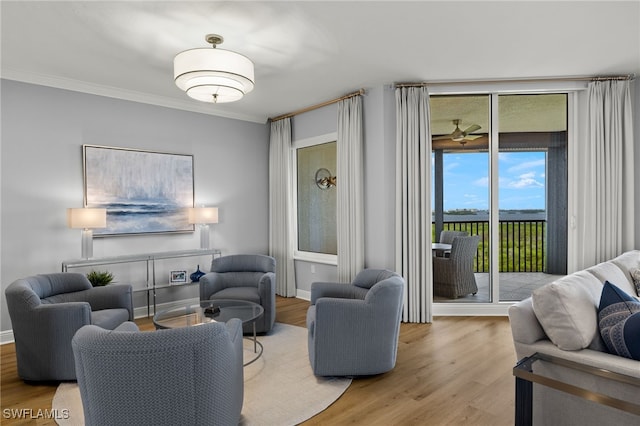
(303, 294)
(469, 309)
(6, 337)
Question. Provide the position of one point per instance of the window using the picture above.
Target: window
(315, 204)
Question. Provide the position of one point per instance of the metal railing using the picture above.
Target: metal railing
(522, 244)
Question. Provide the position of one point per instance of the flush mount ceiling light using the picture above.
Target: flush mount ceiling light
(213, 75)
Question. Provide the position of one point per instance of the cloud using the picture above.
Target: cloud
(483, 182)
(526, 180)
(527, 165)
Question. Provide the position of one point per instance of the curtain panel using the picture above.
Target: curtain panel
(413, 202)
(350, 214)
(607, 173)
(280, 202)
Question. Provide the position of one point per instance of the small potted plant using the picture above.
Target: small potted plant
(99, 278)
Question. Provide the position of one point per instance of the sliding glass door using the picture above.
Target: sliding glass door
(499, 169)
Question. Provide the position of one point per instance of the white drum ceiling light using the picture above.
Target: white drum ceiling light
(213, 75)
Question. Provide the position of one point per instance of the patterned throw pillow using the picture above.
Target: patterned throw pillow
(619, 322)
(635, 275)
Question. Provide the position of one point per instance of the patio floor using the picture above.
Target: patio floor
(514, 286)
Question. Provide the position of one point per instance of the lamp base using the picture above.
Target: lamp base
(87, 243)
(204, 236)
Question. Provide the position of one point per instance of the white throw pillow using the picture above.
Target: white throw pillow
(567, 309)
(609, 271)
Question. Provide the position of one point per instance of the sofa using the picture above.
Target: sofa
(561, 320)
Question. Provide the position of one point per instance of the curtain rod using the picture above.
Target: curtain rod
(323, 104)
(524, 80)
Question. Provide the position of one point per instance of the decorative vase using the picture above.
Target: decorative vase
(195, 277)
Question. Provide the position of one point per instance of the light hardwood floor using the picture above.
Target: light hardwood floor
(454, 371)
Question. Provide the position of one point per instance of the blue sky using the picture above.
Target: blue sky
(521, 183)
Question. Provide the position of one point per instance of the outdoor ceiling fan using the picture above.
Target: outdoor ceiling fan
(461, 136)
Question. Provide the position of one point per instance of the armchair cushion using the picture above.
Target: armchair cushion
(619, 321)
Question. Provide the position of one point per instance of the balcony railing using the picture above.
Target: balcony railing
(522, 244)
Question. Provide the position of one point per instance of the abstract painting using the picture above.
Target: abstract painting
(143, 191)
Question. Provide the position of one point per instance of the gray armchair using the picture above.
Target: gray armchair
(453, 276)
(446, 237)
(353, 329)
(182, 376)
(46, 311)
(244, 277)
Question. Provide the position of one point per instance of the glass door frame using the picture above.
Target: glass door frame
(495, 89)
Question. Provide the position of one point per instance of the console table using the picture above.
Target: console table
(149, 260)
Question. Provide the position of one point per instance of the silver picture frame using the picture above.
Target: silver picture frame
(144, 192)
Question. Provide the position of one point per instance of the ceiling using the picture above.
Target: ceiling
(308, 52)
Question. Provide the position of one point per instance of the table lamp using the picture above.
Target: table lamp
(87, 219)
(203, 216)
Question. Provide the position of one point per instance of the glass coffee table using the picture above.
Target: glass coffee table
(207, 311)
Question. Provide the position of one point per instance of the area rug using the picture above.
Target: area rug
(279, 388)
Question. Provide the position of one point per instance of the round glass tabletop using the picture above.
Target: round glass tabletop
(207, 311)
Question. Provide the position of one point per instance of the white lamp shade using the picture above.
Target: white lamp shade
(87, 218)
(203, 215)
(213, 75)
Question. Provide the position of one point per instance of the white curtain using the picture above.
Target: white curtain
(608, 173)
(350, 215)
(413, 202)
(280, 202)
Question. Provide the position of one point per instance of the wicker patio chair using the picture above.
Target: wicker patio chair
(446, 237)
(453, 276)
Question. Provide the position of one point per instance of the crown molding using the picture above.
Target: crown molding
(123, 94)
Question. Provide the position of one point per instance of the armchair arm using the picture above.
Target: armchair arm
(267, 290)
(210, 283)
(111, 296)
(49, 319)
(337, 290)
(45, 340)
(442, 266)
(346, 312)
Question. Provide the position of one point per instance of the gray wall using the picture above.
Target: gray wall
(43, 130)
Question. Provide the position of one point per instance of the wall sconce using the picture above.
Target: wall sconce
(87, 219)
(324, 180)
(203, 216)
